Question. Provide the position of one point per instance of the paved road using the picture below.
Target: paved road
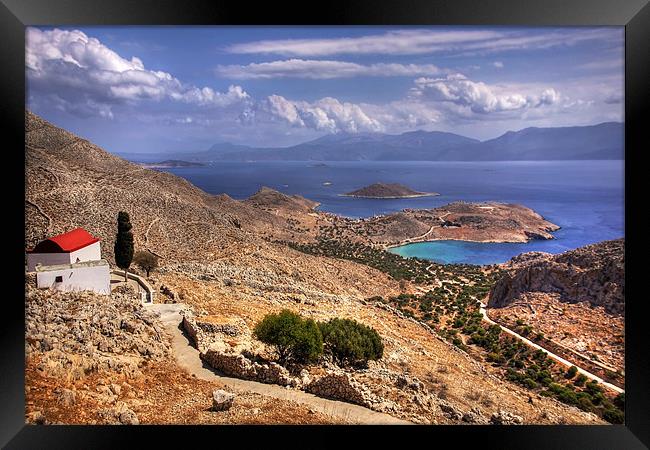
(550, 355)
(188, 357)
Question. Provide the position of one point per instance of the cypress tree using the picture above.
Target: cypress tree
(123, 243)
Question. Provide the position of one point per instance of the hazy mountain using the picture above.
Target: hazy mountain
(602, 141)
(418, 145)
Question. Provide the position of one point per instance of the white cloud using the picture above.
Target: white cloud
(498, 64)
(403, 115)
(83, 71)
(322, 69)
(327, 114)
(421, 41)
(478, 97)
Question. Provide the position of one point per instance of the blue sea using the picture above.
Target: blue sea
(585, 198)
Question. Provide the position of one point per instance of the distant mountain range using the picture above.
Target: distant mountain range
(602, 141)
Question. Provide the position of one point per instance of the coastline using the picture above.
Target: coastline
(489, 241)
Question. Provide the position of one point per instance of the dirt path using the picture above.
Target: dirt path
(550, 355)
(188, 358)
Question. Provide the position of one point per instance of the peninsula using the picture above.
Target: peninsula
(171, 163)
(387, 190)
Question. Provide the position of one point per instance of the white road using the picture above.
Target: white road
(550, 355)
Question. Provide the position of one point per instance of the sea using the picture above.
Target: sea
(585, 198)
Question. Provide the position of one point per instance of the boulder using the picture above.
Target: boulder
(66, 397)
(222, 400)
(505, 418)
(450, 411)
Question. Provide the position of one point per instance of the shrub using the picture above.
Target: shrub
(613, 415)
(619, 401)
(571, 372)
(350, 342)
(145, 260)
(593, 387)
(580, 380)
(529, 383)
(294, 338)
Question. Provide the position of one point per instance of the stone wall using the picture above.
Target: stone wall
(341, 386)
(238, 366)
(205, 335)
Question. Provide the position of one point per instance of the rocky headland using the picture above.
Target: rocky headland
(171, 163)
(575, 299)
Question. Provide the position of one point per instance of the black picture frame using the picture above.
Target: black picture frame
(15, 15)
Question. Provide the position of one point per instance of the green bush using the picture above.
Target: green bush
(529, 383)
(294, 338)
(350, 342)
(571, 372)
(613, 415)
(619, 401)
(580, 380)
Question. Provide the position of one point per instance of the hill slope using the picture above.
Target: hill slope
(576, 299)
(72, 183)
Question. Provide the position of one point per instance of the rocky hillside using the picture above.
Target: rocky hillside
(270, 199)
(576, 300)
(593, 274)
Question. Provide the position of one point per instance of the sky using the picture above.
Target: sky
(173, 89)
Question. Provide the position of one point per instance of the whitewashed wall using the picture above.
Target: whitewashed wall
(91, 252)
(94, 278)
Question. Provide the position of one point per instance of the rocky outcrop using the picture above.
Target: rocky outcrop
(594, 274)
(120, 414)
(222, 400)
(81, 332)
(502, 417)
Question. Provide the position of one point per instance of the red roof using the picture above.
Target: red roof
(66, 242)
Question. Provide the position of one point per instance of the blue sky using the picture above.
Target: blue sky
(154, 89)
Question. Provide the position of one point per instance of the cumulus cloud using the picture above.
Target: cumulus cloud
(405, 114)
(327, 114)
(322, 69)
(411, 42)
(478, 97)
(84, 72)
(498, 64)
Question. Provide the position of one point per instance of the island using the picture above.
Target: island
(171, 163)
(387, 190)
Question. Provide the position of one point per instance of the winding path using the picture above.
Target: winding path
(550, 355)
(188, 358)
